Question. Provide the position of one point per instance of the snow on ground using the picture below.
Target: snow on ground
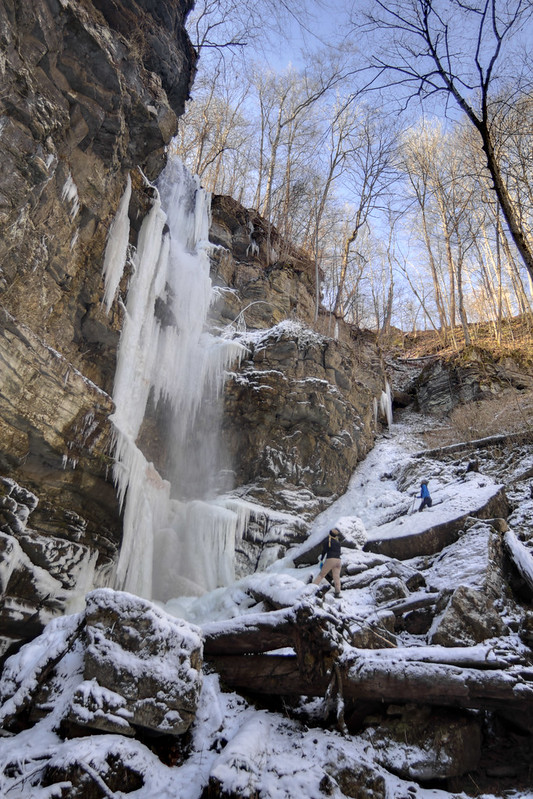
(384, 488)
(256, 752)
(382, 495)
(250, 752)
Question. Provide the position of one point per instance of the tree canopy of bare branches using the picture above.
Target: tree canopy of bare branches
(463, 52)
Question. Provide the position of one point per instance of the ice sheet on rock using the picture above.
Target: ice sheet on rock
(241, 599)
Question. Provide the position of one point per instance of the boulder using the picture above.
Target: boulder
(411, 536)
(469, 617)
(142, 668)
(376, 631)
(388, 589)
(470, 575)
(424, 744)
(361, 781)
(31, 596)
(41, 574)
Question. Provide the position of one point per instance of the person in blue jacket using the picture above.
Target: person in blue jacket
(331, 560)
(424, 496)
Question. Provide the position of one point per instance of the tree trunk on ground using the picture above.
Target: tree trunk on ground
(370, 677)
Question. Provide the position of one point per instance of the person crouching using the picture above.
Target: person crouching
(331, 561)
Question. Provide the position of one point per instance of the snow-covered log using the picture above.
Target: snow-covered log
(391, 679)
(521, 557)
(303, 627)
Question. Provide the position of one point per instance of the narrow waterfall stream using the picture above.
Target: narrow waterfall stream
(177, 538)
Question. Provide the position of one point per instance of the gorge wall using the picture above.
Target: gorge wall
(91, 94)
(300, 410)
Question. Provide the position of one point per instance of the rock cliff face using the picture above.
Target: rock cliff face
(91, 92)
(299, 412)
(91, 95)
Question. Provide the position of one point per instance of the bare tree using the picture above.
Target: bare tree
(457, 49)
(225, 26)
(416, 157)
(369, 172)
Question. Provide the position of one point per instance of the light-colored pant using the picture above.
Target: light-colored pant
(332, 565)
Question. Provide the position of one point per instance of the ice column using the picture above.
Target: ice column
(385, 403)
(117, 248)
(174, 357)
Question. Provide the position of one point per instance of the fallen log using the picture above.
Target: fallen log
(307, 626)
(413, 602)
(389, 680)
(480, 656)
(521, 557)
(260, 632)
(478, 443)
(436, 684)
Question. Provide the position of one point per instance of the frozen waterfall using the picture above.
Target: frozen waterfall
(177, 538)
(383, 408)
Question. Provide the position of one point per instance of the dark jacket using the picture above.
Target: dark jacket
(331, 547)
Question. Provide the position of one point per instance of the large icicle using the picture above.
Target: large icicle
(117, 248)
(385, 403)
(174, 541)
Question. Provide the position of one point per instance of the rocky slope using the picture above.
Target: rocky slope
(417, 682)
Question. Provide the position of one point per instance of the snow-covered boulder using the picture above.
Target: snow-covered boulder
(439, 526)
(388, 589)
(470, 575)
(353, 531)
(142, 667)
(425, 744)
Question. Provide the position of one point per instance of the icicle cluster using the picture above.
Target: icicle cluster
(384, 408)
(117, 248)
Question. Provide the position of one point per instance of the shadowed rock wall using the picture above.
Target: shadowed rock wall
(90, 93)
